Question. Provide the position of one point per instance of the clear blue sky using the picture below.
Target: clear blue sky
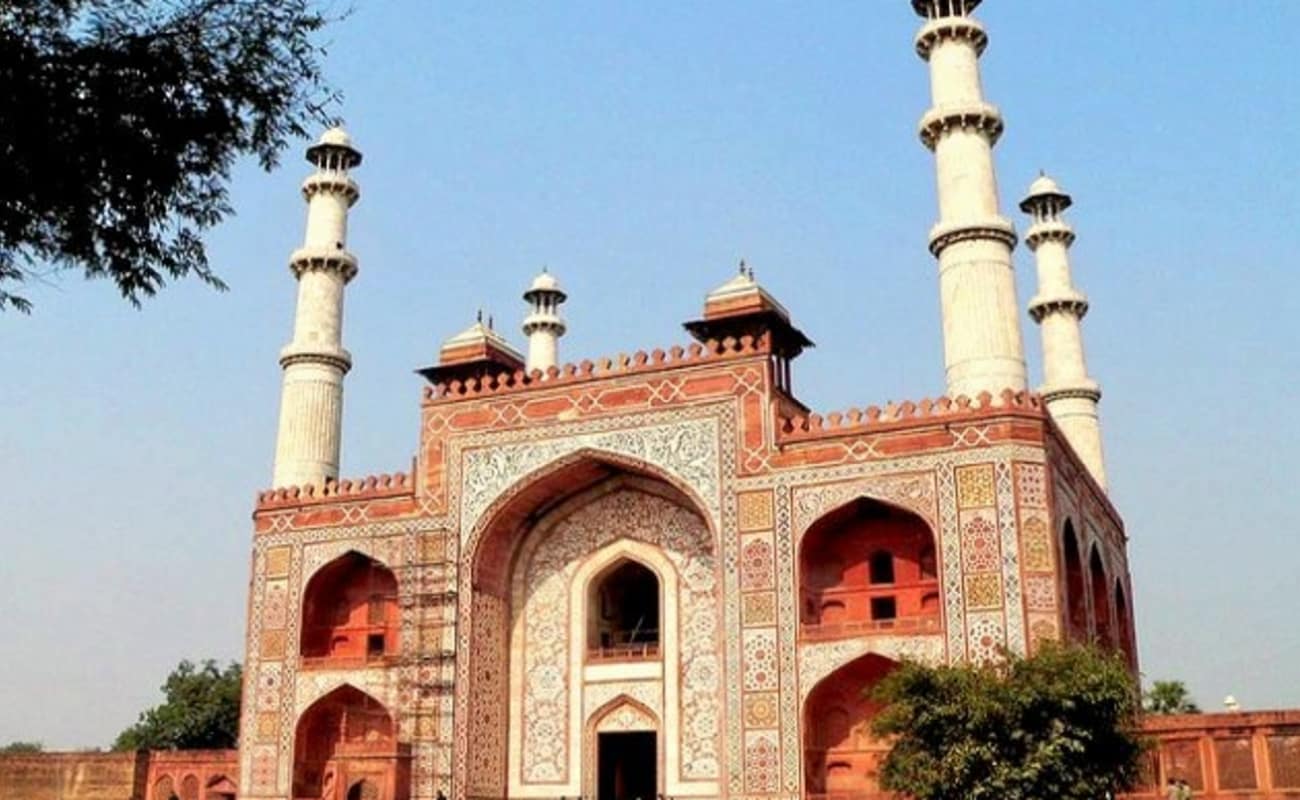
(639, 150)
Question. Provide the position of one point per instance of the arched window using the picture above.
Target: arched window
(1075, 605)
(1100, 600)
(350, 612)
(623, 612)
(867, 567)
(881, 567)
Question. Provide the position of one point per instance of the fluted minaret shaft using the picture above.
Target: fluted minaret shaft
(1070, 394)
(983, 349)
(314, 362)
(544, 326)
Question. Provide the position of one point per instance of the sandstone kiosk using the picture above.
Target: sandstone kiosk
(973, 242)
(1058, 308)
(544, 326)
(314, 362)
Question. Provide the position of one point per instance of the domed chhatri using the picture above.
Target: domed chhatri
(334, 142)
(1045, 187)
(544, 282)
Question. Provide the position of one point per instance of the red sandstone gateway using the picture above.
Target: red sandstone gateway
(661, 574)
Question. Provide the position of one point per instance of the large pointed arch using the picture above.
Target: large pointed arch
(841, 755)
(492, 551)
(349, 612)
(494, 539)
(1124, 623)
(869, 566)
(1076, 605)
(1103, 625)
(345, 724)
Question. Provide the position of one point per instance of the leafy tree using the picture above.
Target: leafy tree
(1169, 697)
(23, 747)
(1060, 724)
(201, 711)
(122, 119)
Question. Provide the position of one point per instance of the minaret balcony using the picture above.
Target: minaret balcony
(982, 117)
(329, 356)
(945, 29)
(1085, 389)
(543, 322)
(1065, 302)
(307, 259)
(944, 234)
(1049, 231)
(331, 183)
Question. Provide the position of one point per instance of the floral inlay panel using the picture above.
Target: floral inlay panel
(549, 572)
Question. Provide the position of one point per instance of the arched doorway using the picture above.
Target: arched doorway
(344, 738)
(623, 613)
(349, 612)
(1076, 609)
(841, 755)
(868, 566)
(363, 790)
(1102, 623)
(623, 746)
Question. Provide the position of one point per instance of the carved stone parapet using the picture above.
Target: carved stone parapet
(339, 359)
(1069, 302)
(305, 259)
(982, 117)
(334, 183)
(1049, 231)
(950, 28)
(946, 233)
(1086, 390)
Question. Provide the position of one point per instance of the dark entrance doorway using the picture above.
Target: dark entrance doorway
(627, 766)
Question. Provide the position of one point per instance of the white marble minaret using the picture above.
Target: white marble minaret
(544, 326)
(314, 362)
(982, 344)
(1058, 308)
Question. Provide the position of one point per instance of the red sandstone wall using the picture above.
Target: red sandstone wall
(73, 776)
(1254, 754)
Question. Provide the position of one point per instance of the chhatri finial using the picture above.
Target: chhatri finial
(478, 317)
(742, 266)
(490, 322)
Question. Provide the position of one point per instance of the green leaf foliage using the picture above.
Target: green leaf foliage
(1169, 697)
(1061, 724)
(122, 119)
(22, 747)
(200, 711)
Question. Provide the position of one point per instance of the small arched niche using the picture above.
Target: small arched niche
(165, 789)
(623, 612)
(349, 612)
(868, 566)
